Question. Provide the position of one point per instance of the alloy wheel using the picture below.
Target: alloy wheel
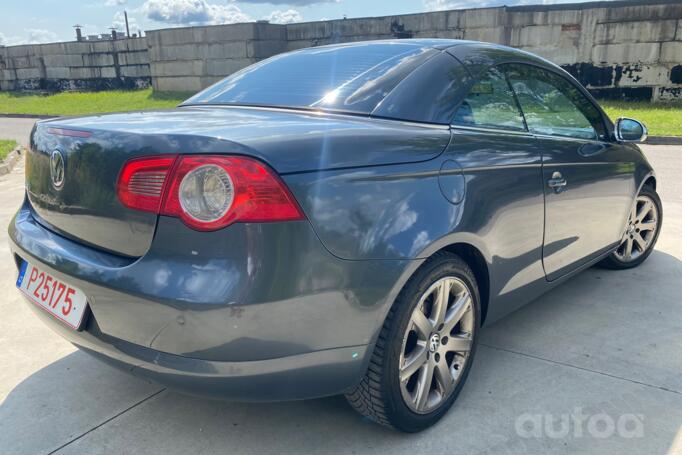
(640, 231)
(436, 345)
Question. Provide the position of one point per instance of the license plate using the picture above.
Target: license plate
(63, 301)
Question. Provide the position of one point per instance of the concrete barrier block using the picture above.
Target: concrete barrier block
(668, 93)
(177, 68)
(308, 31)
(362, 27)
(230, 49)
(177, 52)
(270, 31)
(86, 72)
(102, 46)
(638, 75)
(23, 62)
(97, 60)
(232, 32)
(133, 58)
(178, 36)
(626, 53)
(420, 22)
(635, 32)
(76, 47)
(671, 52)
(7, 85)
(48, 49)
(538, 35)
(301, 44)
(177, 84)
(64, 60)
(108, 72)
(6, 75)
(135, 71)
(644, 12)
(441, 34)
(56, 72)
(227, 66)
(20, 51)
(488, 34)
(565, 16)
(557, 55)
(130, 44)
(265, 48)
(678, 35)
(483, 17)
(454, 19)
(28, 73)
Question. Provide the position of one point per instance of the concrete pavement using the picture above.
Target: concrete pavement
(602, 350)
(16, 128)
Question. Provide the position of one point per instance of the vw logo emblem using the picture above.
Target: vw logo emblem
(57, 169)
(434, 342)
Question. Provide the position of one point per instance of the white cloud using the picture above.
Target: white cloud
(284, 17)
(119, 22)
(33, 36)
(115, 2)
(441, 5)
(193, 12)
(289, 2)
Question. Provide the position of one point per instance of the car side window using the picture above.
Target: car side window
(552, 105)
(490, 103)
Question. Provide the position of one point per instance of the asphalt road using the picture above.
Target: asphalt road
(594, 366)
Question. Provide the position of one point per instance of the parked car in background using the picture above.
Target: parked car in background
(341, 219)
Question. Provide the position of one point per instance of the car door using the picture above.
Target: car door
(588, 186)
(504, 205)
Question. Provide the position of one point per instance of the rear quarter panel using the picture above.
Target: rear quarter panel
(401, 212)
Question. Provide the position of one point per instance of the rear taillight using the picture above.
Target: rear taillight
(207, 192)
(141, 182)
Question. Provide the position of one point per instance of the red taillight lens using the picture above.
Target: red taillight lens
(141, 182)
(209, 192)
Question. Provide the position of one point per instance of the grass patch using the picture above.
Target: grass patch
(83, 103)
(6, 146)
(662, 119)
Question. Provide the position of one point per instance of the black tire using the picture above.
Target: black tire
(378, 396)
(613, 262)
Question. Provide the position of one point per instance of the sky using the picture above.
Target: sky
(43, 21)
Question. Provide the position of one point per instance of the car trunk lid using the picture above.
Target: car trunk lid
(85, 206)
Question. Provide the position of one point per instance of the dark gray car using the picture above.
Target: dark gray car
(341, 219)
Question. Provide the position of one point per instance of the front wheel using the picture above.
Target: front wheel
(425, 348)
(640, 234)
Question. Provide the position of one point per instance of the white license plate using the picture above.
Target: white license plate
(61, 300)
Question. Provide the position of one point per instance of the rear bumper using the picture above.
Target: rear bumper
(302, 376)
(252, 312)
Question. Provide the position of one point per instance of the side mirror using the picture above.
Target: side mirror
(630, 130)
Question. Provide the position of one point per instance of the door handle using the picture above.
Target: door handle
(557, 182)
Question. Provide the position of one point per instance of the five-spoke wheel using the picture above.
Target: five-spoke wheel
(425, 349)
(640, 233)
(436, 344)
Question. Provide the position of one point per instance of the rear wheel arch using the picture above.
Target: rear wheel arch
(651, 182)
(475, 259)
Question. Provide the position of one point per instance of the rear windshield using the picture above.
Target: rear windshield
(350, 78)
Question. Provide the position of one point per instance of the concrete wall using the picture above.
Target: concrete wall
(617, 49)
(189, 59)
(96, 65)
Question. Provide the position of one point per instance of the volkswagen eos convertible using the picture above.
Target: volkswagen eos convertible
(334, 220)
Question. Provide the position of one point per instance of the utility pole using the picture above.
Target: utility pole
(125, 14)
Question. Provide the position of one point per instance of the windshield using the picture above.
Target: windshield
(351, 78)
